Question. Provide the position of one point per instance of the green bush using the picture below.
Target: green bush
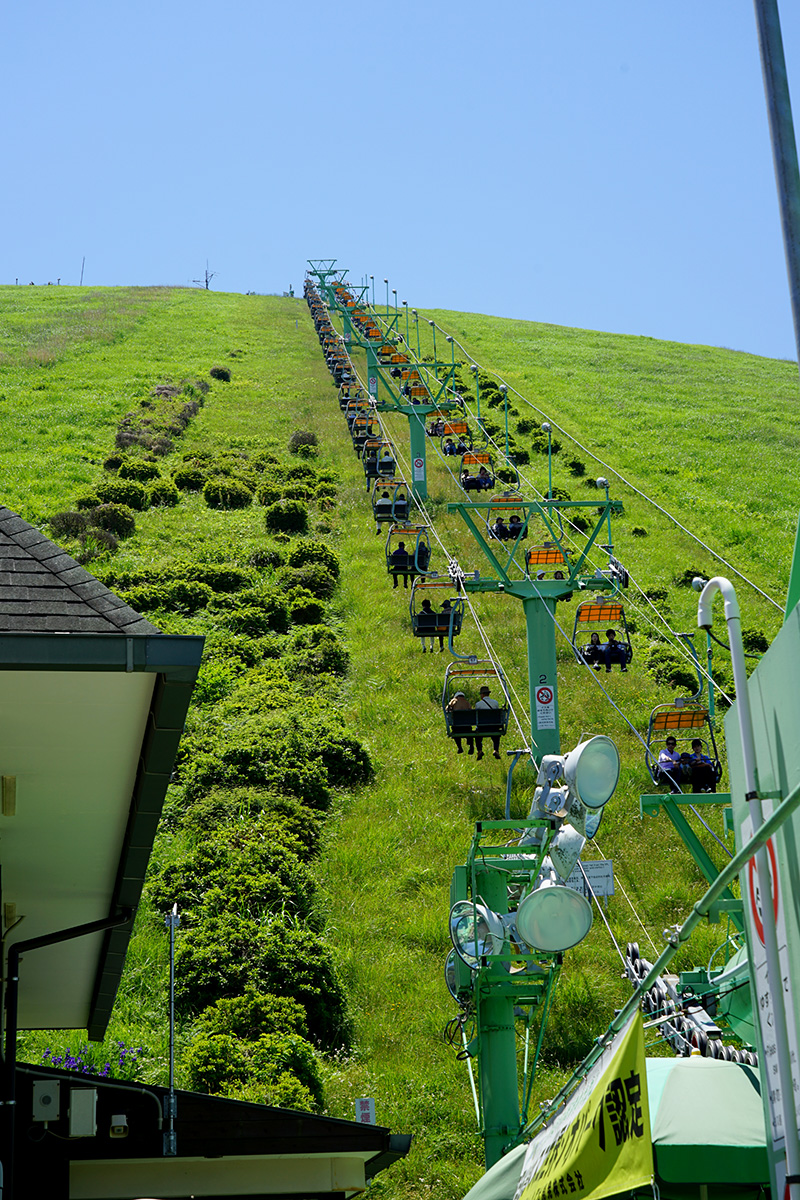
(281, 1069)
(178, 596)
(307, 451)
(254, 621)
(317, 651)
(123, 491)
(684, 579)
(68, 524)
(116, 518)
(305, 609)
(313, 577)
(576, 467)
(268, 493)
(163, 493)
(228, 954)
(559, 493)
(312, 550)
(88, 500)
(638, 531)
(300, 471)
(223, 374)
(189, 479)
(302, 437)
(669, 668)
(266, 556)
(213, 1062)
(137, 468)
(287, 516)
(113, 462)
(252, 1015)
(222, 492)
(297, 491)
(755, 641)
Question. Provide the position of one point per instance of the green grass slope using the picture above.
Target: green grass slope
(706, 433)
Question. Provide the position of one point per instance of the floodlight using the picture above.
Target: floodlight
(552, 917)
(591, 771)
(565, 850)
(698, 583)
(503, 388)
(601, 482)
(474, 368)
(475, 931)
(450, 974)
(546, 426)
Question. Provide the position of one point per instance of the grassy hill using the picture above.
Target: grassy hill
(707, 434)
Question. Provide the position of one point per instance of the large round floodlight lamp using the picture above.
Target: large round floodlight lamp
(591, 822)
(475, 931)
(591, 771)
(450, 974)
(553, 918)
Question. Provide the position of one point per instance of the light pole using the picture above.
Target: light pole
(603, 483)
(386, 281)
(416, 322)
(372, 279)
(548, 429)
(433, 327)
(474, 370)
(405, 306)
(504, 390)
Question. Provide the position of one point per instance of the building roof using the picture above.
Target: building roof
(93, 700)
(43, 589)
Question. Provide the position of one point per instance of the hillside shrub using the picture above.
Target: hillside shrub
(68, 524)
(254, 620)
(658, 595)
(113, 462)
(638, 531)
(116, 518)
(527, 425)
(267, 556)
(559, 493)
(669, 668)
(281, 1069)
(297, 491)
(684, 579)
(580, 523)
(223, 577)
(325, 492)
(286, 516)
(223, 374)
(316, 651)
(123, 491)
(312, 550)
(137, 468)
(314, 577)
(307, 451)
(87, 500)
(302, 437)
(268, 493)
(305, 609)
(755, 641)
(189, 479)
(163, 493)
(300, 471)
(576, 467)
(520, 456)
(183, 596)
(252, 1015)
(227, 493)
(97, 543)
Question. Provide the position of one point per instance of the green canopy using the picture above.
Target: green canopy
(707, 1124)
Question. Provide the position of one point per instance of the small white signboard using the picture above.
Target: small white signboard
(419, 470)
(545, 708)
(598, 878)
(365, 1111)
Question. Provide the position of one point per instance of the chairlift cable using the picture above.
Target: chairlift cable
(714, 553)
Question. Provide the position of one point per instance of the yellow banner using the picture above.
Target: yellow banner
(599, 1144)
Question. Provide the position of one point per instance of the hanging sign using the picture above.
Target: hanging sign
(419, 470)
(545, 708)
(599, 1144)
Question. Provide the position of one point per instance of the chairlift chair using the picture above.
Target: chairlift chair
(593, 615)
(460, 434)
(394, 506)
(414, 559)
(684, 720)
(348, 392)
(471, 722)
(377, 459)
(471, 463)
(506, 505)
(366, 428)
(435, 624)
(550, 556)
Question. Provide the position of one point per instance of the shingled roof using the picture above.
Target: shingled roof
(44, 590)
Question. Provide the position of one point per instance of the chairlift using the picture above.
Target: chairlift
(593, 615)
(443, 624)
(685, 720)
(348, 392)
(546, 558)
(357, 406)
(506, 507)
(459, 436)
(477, 471)
(377, 459)
(475, 722)
(408, 552)
(365, 428)
(390, 500)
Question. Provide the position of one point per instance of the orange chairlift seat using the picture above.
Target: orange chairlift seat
(433, 623)
(473, 722)
(377, 459)
(593, 615)
(685, 720)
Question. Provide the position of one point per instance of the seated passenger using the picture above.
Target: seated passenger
(460, 703)
(399, 563)
(701, 769)
(670, 766)
(593, 653)
(447, 608)
(426, 608)
(515, 527)
(501, 530)
(469, 483)
(401, 506)
(462, 446)
(383, 509)
(484, 478)
(449, 446)
(423, 556)
(614, 651)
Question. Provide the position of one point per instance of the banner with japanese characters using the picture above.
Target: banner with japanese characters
(599, 1144)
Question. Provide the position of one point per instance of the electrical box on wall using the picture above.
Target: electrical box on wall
(45, 1099)
(82, 1112)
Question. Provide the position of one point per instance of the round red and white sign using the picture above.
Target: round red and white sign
(544, 695)
(753, 889)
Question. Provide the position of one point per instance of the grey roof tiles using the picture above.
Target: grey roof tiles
(43, 590)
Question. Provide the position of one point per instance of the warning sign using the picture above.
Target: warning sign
(373, 385)
(755, 895)
(419, 469)
(545, 708)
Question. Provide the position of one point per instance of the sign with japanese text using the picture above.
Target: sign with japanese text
(365, 1110)
(599, 1144)
(545, 708)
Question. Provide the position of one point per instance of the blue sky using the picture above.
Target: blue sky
(603, 164)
